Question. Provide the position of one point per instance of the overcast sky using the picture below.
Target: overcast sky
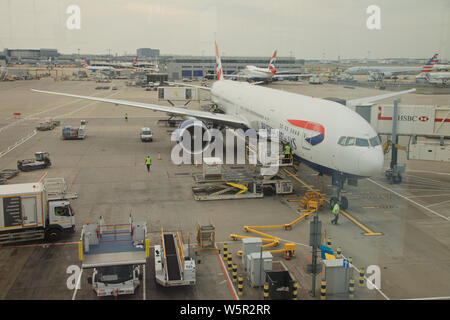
(301, 28)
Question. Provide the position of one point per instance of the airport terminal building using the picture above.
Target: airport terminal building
(198, 67)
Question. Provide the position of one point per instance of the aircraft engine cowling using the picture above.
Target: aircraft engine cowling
(193, 135)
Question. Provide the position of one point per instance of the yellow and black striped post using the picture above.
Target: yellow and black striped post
(361, 277)
(234, 273)
(294, 290)
(225, 252)
(350, 260)
(323, 290)
(338, 253)
(230, 262)
(351, 289)
(240, 285)
(329, 242)
(266, 291)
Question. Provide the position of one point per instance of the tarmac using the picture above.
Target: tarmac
(107, 170)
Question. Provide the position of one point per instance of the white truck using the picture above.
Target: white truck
(33, 211)
(116, 254)
(146, 135)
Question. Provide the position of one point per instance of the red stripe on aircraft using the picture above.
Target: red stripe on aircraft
(308, 125)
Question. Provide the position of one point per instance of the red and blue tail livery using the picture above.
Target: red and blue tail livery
(313, 126)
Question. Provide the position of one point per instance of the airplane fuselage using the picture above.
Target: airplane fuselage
(384, 70)
(311, 126)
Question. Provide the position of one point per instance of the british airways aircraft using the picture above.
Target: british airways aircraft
(265, 74)
(326, 135)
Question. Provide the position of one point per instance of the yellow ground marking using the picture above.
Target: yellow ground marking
(348, 216)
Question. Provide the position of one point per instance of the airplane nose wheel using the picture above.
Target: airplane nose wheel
(343, 205)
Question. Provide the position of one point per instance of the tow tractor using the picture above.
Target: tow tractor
(41, 161)
(116, 254)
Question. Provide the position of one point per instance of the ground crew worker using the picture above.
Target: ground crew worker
(214, 107)
(126, 116)
(335, 211)
(148, 163)
(287, 152)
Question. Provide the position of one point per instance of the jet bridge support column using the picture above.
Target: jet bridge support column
(395, 171)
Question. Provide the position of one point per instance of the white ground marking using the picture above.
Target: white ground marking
(144, 297)
(76, 286)
(18, 143)
(412, 201)
(438, 203)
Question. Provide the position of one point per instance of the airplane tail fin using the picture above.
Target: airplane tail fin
(272, 62)
(219, 64)
(135, 61)
(84, 64)
(430, 63)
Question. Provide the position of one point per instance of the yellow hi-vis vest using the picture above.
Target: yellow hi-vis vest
(336, 209)
(148, 160)
(287, 150)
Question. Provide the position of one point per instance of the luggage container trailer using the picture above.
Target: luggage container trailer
(70, 133)
(116, 254)
(30, 211)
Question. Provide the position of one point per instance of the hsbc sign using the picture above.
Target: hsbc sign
(411, 119)
(405, 117)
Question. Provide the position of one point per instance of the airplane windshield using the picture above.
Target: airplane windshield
(362, 142)
(375, 141)
(350, 141)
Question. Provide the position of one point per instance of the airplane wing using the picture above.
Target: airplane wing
(368, 101)
(225, 119)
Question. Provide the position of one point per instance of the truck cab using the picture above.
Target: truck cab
(146, 134)
(61, 216)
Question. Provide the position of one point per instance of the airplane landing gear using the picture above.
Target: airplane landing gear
(338, 182)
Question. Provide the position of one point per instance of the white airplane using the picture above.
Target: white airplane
(128, 64)
(326, 135)
(97, 68)
(388, 72)
(434, 77)
(264, 74)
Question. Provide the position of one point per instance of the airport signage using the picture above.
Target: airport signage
(411, 120)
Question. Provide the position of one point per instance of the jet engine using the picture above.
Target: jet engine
(193, 135)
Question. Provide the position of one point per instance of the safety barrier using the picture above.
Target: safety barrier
(294, 290)
(234, 273)
(240, 285)
(323, 290)
(225, 252)
(266, 291)
(361, 277)
(351, 288)
(230, 262)
(338, 253)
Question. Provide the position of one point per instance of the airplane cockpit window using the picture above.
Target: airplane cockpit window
(362, 142)
(375, 141)
(342, 141)
(350, 141)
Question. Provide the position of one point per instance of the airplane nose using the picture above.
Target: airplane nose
(371, 162)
